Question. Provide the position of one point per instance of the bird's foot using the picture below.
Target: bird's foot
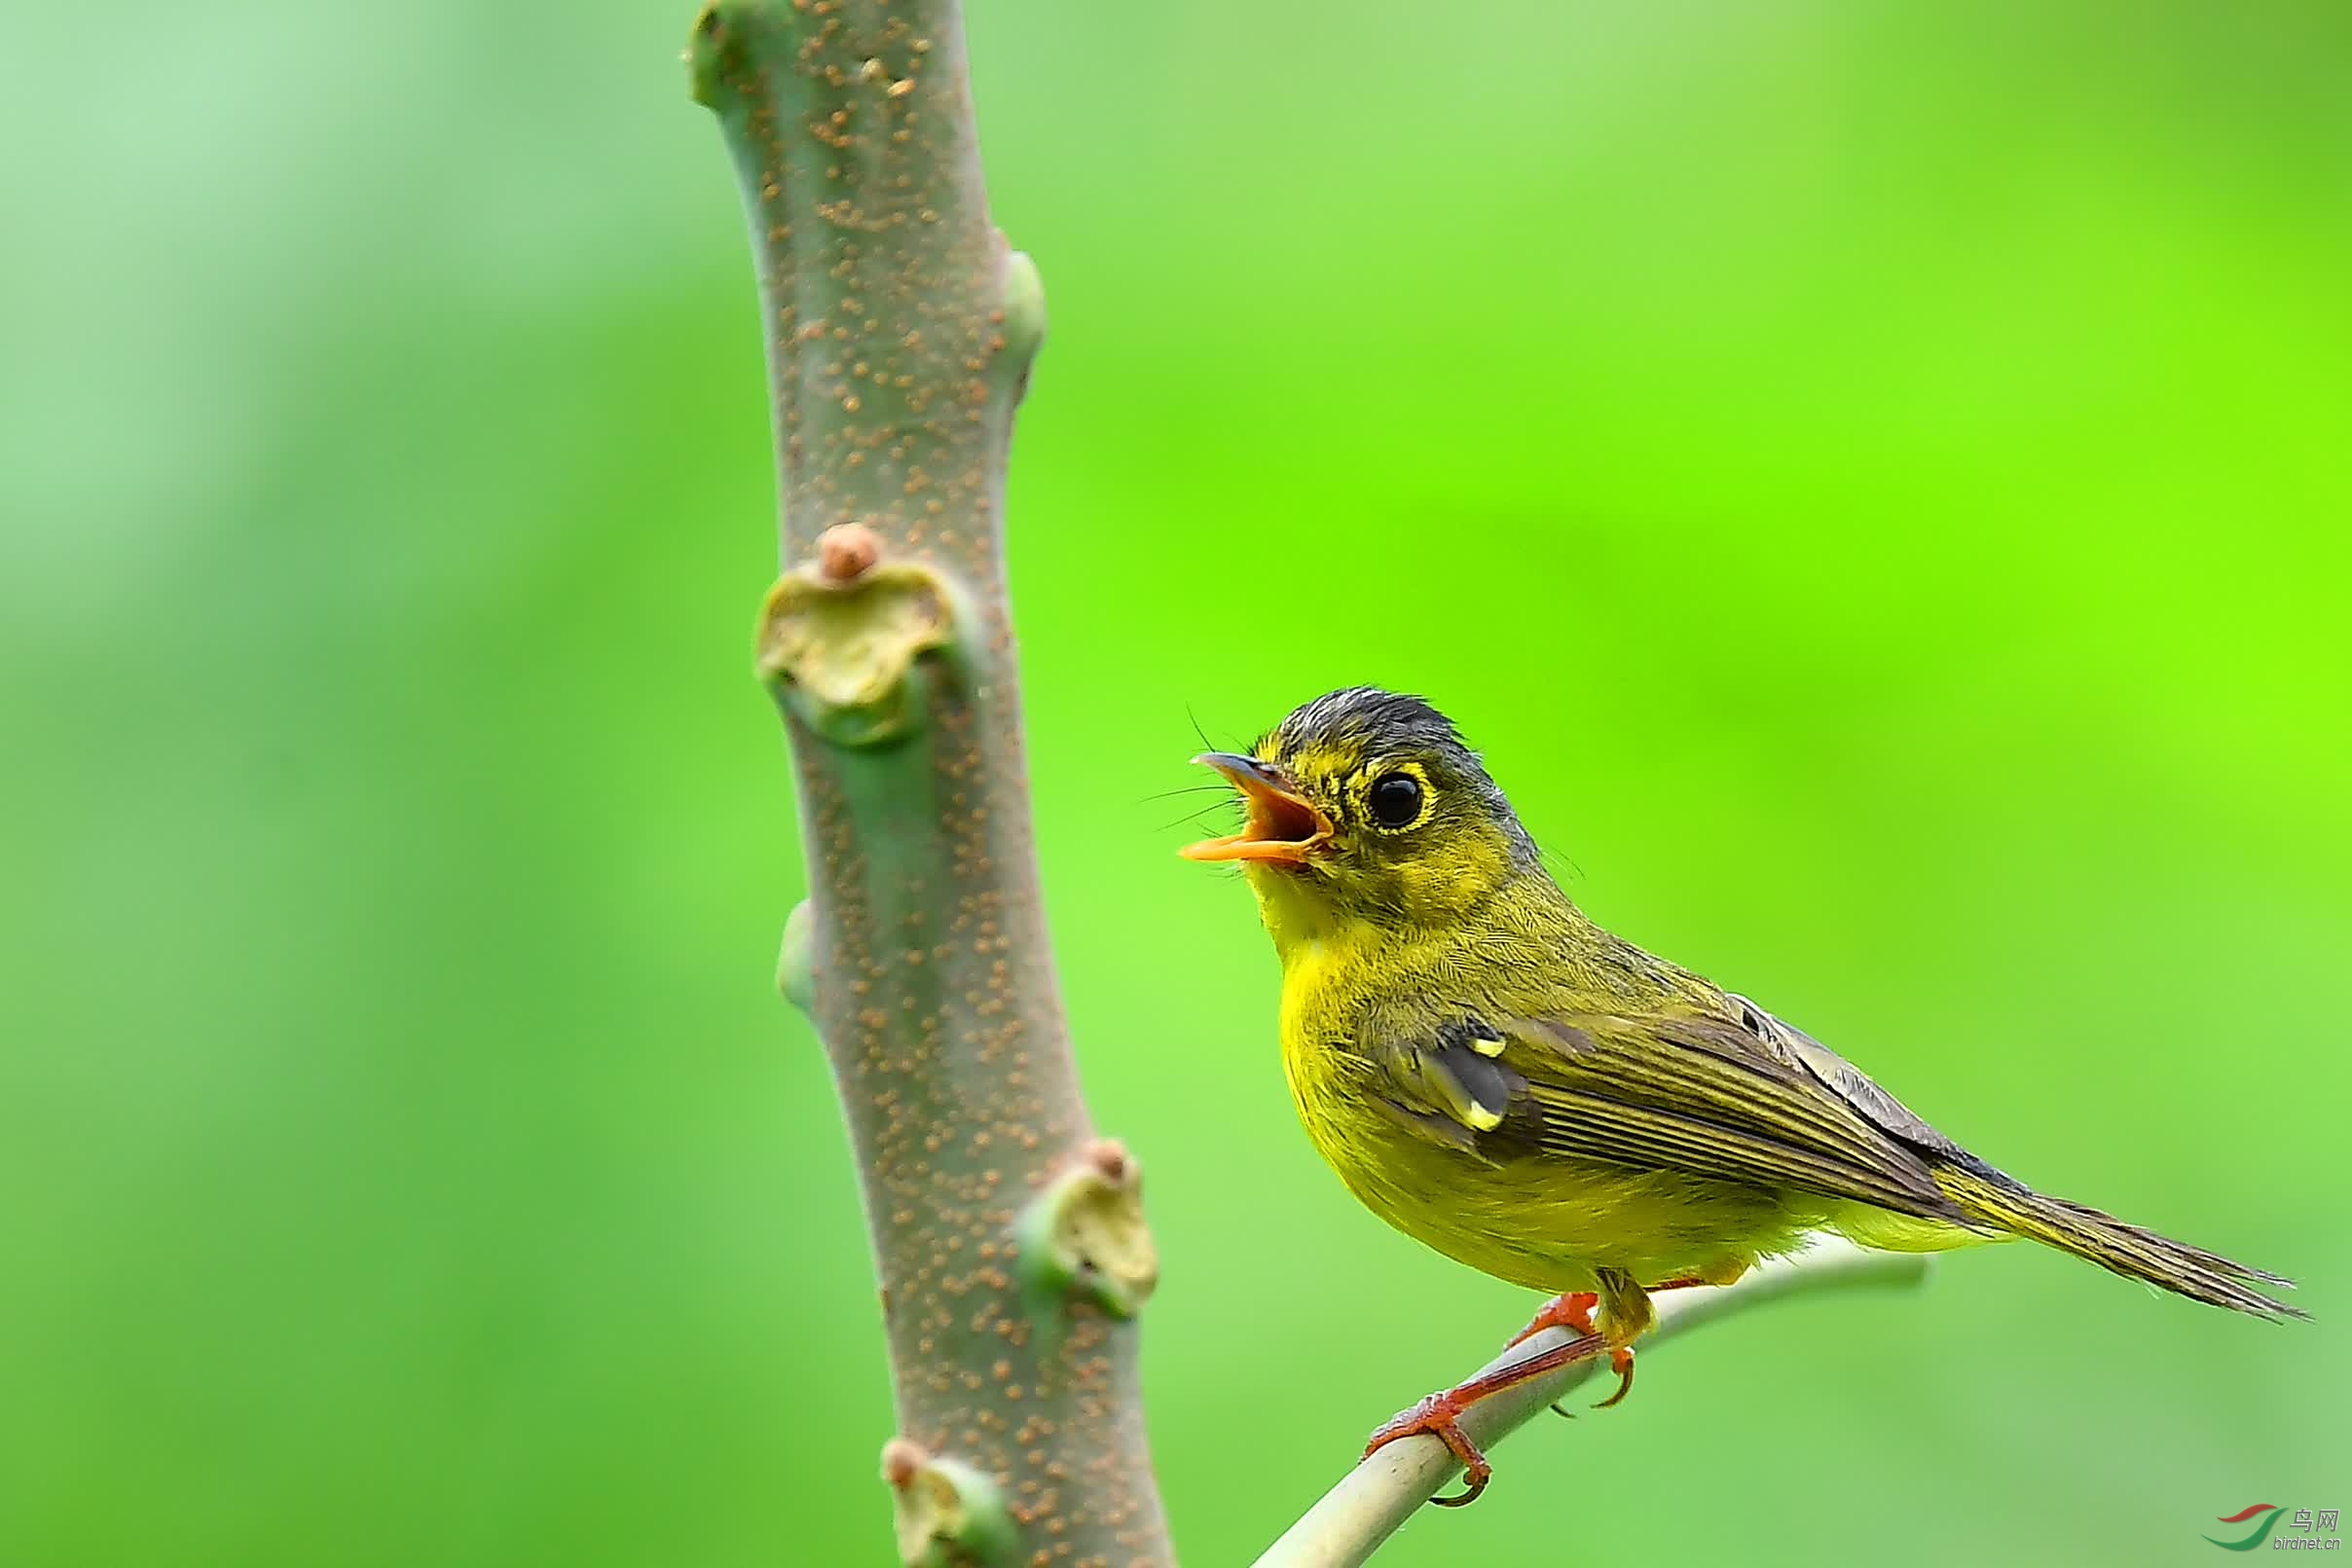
(1440, 1414)
(1625, 1315)
(1621, 1361)
(1572, 1312)
(1621, 1357)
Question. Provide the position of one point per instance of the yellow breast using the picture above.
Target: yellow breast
(1324, 1075)
(1470, 1210)
(1521, 1214)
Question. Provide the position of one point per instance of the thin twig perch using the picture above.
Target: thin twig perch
(1369, 1505)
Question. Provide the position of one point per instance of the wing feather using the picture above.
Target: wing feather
(1734, 1097)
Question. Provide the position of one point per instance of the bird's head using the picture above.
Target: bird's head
(1366, 805)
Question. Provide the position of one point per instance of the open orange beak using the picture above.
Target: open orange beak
(1282, 826)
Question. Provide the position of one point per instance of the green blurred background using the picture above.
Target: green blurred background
(1872, 477)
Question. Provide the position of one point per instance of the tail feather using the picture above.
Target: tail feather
(1990, 1198)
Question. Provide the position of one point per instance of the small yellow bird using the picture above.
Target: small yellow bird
(1497, 1076)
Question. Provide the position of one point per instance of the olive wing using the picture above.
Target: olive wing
(1729, 1098)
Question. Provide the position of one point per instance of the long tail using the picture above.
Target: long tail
(1989, 1197)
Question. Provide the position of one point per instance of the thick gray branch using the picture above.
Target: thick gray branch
(899, 330)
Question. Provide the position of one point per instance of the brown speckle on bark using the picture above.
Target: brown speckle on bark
(893, 381)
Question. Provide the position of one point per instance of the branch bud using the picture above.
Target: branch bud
(796, 962)
(947, 1513)
(1084, 1234)
(839, 638)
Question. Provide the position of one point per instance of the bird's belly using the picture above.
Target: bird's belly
(1537, 1220)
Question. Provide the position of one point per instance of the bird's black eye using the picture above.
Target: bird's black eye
(1395, 799)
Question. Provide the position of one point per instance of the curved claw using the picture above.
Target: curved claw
(1621, 1361)
(1437, 1416)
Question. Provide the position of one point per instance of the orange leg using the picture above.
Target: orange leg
(1574, 1311)
(1440, 1414)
